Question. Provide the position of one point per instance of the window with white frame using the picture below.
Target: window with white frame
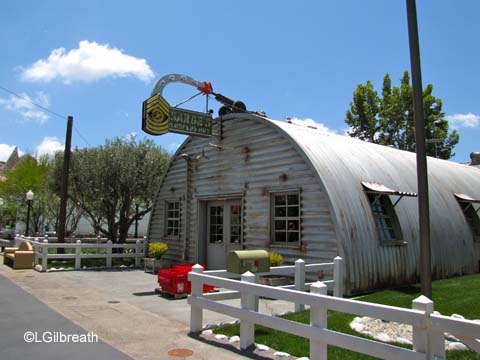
(386, 220)
(285, 218)
(172, 219)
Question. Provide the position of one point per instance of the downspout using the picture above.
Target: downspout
(187, 159)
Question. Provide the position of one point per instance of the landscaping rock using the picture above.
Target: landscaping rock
(234, 339)
(281, 354)
(383, 337)
(261, 347)
(221, 337)
(207, 332)
(457, 316)
(456, 346)
(404, 341)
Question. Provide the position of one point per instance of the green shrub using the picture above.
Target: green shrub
(275, 259)
(157, 249)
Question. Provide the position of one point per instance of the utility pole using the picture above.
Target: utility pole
(64, 185)
(422, 175)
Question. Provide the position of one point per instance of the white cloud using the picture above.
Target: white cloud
(468, 120)
(49, 145)
(89, 62)
(5, 151)
(24, 106)
(312, 124)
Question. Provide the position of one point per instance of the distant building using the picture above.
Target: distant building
(265, 184)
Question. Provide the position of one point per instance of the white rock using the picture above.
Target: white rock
(53, 269)
(456, 346)
(261, 347)
(225, 323)
(61, 269)
(450, 337)
(437, 312)
(38, 267)
(281, 354)
(401, 340)
(234, 339)
(457, 316)
(357, 320)
(303, 358)
(383, 337)
(84, 267)
(123, 266)
(210, 326)
(476, 321)
(221, 337)
(207, 332)
(358, 327)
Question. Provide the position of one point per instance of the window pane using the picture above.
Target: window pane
(280, 236)
(280, 200)
(280, 225)
(280, 212)
(292, 224)
(292, 237)
(384, 217)
(293, 211)
(292, 199)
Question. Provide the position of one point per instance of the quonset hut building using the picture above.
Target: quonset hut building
(265, 184)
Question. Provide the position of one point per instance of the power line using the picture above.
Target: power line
(33, 103)
(45, 109)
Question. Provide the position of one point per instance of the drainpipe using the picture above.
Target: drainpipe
(187, 159)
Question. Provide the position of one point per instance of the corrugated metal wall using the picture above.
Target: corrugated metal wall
(336, 214)
(251, 162)
(342, 163)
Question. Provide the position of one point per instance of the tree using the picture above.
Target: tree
(388, 119)
(107, 182)
(29, 174)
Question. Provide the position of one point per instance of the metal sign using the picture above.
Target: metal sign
(158, 118)
(190, 122)
(155, 115)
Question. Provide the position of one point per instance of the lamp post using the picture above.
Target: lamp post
(29, 197)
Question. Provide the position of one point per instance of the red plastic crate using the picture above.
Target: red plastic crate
(174, 281)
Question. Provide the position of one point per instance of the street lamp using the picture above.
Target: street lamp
(29, 197)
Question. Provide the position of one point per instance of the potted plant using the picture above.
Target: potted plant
(274, 280)
(154, 261)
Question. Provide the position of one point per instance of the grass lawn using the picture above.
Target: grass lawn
(459, 295)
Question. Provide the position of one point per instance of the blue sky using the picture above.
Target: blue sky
(98, 60)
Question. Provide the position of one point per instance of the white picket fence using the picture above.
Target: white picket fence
(428, 328)
(134, 250)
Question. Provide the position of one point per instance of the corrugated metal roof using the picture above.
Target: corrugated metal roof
(342, 163)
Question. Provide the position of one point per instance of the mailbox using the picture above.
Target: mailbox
(254, 261)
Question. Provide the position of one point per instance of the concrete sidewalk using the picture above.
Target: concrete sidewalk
(121, 307)
(22, 315)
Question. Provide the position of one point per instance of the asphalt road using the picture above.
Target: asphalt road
(20, 312)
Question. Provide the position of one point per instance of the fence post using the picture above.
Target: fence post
(78, 252)
(247, 329)
(318, 318)
(44, 255)
(196, 312)
(299, 281)
(138, 253)
(338, 277)
(425, 340)
(98, 243)
(109, 254)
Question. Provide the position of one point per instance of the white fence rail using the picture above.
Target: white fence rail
(428, 329)
(134, 250)
(299, 271)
